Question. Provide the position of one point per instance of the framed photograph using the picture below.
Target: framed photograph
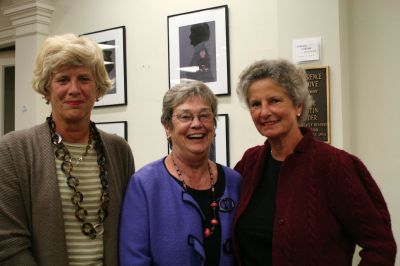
(119, 128)
(219, 151)
(112, 41)
(318, 119)
(198, 48)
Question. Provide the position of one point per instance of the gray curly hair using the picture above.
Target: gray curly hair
(291, 78)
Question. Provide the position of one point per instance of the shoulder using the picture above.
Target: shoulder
(113, 139)
(151, 178)
(231, 174)
(151, 172)
(115, 144)
(30, 136)
(322, 149)
(337, 162)
(254, 152)
(233, 180)
(255, 149)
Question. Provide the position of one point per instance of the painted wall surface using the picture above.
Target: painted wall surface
(375, 92)
(307, 19)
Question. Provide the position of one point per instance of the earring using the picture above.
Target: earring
(298, 114)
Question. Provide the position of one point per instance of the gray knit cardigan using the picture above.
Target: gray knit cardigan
(31, 221)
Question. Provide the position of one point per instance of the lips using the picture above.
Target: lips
(74, 103)
(269, 123)
(196, 136)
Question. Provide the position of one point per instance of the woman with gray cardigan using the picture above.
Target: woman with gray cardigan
(62, 182)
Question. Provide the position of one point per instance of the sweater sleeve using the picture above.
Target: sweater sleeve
(15, 243)
(134, 242)
(239, 166)
(361, 209)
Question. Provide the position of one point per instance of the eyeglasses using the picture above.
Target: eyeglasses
(188, 117)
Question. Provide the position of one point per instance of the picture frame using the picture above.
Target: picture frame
(119, 128)
(112, 41)
(198, 48)
(219, 151)
(318, 118)
(221, 141)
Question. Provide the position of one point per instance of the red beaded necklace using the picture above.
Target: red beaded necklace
(208, 231)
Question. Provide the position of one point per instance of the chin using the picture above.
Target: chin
(270, 133)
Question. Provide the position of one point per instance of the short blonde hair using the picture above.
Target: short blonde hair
(69, 50)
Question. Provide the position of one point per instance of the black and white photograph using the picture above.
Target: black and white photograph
(112, 42)
(198, 48)
(220, 148)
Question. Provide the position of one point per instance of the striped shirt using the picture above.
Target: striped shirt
(81, 249)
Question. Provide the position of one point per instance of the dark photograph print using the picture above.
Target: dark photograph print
(112, 42)
(197, 50)
(109, 61)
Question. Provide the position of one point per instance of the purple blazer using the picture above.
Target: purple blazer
(161, 224)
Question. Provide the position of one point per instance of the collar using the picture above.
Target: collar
(303, 145)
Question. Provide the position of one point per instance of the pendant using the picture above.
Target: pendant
(207, 232)
(92, 230)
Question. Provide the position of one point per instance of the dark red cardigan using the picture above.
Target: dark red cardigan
(326, 202)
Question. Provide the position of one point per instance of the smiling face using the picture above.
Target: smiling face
(271, 109)
(191, 138)
(72, 93)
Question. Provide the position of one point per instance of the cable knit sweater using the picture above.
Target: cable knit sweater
(31, 221)
(326, 202)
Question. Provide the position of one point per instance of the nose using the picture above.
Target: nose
(265, 109)
(74, 87)
(196, 122)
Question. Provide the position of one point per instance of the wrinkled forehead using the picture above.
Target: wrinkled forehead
(192, 103)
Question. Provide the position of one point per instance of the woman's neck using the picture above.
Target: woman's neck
(282, 147)
(195, 173)
(73, 132)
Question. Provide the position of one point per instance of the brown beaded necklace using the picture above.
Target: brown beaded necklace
(208, 231)
(61, 152)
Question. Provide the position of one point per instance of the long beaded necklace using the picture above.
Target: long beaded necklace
(90, 229)
(208, 231)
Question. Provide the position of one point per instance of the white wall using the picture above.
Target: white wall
(375, 93)
(310, 18)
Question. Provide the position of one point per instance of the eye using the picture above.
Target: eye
(205, 117)
(62, 80)
(85, 79)
(274, 100)
(254, 104)
(185, 117)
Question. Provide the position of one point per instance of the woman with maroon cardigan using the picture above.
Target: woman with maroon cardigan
(303, 202)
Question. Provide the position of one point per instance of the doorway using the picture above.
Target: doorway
(7, 90)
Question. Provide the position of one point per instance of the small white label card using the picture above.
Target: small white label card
(307, 49)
